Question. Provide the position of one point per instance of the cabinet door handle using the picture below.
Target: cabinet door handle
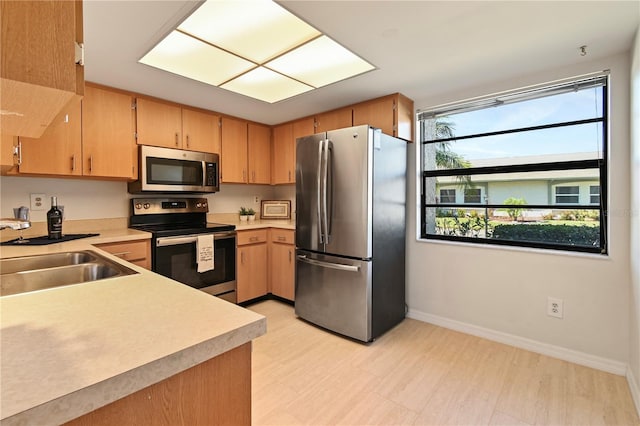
(121, 254)
(253, 238)
(91, 163)
(289, 175)
(187, 141)
(281, 238)
(289, 256)
(253, 176)
(242, 257)
(177, 142)
(73, 163)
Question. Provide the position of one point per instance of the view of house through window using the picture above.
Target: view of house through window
(525, 168)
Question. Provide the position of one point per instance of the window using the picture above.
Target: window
(594, 194)
(447, 195)
(567, 194)
(472, 195)
(539, 155)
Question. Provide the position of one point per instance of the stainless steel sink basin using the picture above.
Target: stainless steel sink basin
(32, 273)
(29, 263)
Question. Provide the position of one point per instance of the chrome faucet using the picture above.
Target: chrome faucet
(15, 224)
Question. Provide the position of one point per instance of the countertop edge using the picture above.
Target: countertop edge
(85, 400)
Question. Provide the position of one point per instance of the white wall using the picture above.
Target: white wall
(634, 316)
(93, 199)
(504, 291)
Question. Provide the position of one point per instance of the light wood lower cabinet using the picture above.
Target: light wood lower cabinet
(137, 252)
(282, 263)
(251, 261)
(215, 392)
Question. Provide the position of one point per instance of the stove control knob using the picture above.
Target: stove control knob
(138, 206)
(204, 204)
(198, 205)
(147, 205)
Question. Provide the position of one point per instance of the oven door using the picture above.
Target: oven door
(175, 257)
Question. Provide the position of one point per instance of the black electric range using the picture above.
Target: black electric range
(178, 227)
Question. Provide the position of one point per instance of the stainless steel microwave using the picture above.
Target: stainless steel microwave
(175, 170)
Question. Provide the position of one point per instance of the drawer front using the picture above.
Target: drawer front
(128, 250)
(252, 237)
(282, 236)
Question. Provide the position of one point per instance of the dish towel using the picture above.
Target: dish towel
(204, 253)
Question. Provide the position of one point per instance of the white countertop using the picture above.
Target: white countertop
(69, 350)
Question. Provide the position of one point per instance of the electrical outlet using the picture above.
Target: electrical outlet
(555, 307)
(256, 199)
(37, 202)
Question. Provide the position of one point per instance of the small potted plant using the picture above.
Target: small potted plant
(244, 214)
(251, 214)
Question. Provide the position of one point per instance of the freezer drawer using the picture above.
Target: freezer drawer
(334, 293)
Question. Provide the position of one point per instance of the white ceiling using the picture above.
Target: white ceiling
(420, 48)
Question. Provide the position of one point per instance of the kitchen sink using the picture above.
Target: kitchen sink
(29, 263)
(32, 273)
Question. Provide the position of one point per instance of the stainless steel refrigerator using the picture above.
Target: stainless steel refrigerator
(350, 231)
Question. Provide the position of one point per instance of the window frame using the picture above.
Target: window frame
(601, 164)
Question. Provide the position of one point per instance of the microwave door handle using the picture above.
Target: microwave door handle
(204, 173)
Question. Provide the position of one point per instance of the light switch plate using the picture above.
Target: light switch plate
(38, 202)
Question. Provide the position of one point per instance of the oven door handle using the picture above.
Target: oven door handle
(188, 239)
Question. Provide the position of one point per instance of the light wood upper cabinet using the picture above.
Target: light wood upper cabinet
(38, 74)
(259, 153)
(200, 131)
(108, 127)
(283, 154)
(284, 149)
(246, 152)
(331, 120)
(171, 126)
(59, 150)
(377, 113)
(159, 123)
(233, 156)
(6, 152)
(393, 114)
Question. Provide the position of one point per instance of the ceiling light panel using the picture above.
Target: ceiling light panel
(320, 62)
(266, 85)
(191, 58)
(254, 29)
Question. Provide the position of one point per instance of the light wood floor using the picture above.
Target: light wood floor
(421, 374)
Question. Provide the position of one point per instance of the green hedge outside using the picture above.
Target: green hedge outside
(581, 235)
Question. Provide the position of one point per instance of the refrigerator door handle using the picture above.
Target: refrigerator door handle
(339, 266)
(325, 192)
(319, 186)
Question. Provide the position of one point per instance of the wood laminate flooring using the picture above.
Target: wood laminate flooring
(420, 374)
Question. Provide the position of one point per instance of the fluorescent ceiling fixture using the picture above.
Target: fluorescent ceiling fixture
(228, 43)
(254, 29)
(266, 85)
(320, 62)
(186, 56)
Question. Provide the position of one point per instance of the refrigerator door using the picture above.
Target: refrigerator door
(334, 293)
(334, 192)
(309, 168)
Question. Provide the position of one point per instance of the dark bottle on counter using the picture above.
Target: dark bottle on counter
(54, 220)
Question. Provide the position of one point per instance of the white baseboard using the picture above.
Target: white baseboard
(633, 387)
(581, 358)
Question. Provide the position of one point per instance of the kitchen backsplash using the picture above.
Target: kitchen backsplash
(86, 199)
